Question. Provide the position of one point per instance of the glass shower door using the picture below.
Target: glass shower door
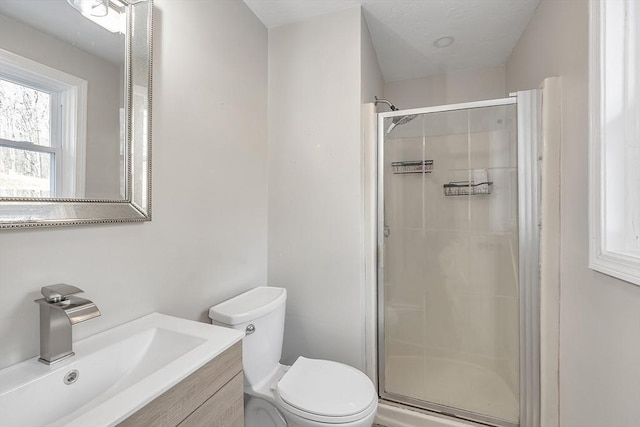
(450, 278)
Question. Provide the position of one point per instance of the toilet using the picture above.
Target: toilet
(309, 393)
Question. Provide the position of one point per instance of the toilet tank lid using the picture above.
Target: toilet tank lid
(249, 305)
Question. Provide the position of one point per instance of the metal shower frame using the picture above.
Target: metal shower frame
(528, 105)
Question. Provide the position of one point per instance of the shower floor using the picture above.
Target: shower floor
(453, 383)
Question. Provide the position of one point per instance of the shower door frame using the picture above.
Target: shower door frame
(528, 133)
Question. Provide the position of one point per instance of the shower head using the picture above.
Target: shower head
(400, 121)
(396, 120)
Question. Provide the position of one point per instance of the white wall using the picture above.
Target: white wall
(315, 184)
(207, 240)
(372, 83)
(103, 99)
(599, 315)
(450, 88)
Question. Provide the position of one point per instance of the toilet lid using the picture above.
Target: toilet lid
(326, 388)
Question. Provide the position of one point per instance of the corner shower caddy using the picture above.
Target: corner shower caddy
(412, 166)
(467, 188)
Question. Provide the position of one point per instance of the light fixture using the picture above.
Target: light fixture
(111, 17)
(444, 41)
(91, 7)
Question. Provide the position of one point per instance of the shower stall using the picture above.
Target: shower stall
(458, 238)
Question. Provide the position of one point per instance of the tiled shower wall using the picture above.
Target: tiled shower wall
(451, 298)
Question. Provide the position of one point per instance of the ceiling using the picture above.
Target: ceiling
(403, 31)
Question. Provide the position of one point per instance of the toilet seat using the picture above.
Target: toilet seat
(325, 391)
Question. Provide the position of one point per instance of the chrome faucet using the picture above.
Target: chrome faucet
(59, 310)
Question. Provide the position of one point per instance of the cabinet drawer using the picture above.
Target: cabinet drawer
(223, 409)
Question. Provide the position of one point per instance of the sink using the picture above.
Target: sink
(113, 373)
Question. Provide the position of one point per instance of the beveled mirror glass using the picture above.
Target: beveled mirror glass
(75, 113)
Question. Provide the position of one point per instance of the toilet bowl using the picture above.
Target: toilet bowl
(309, 393)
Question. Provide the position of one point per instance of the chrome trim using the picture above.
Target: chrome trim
(136, 206)
(450, 107)
(529, 181)
(380, 253)
(447, 411)
(71, 377)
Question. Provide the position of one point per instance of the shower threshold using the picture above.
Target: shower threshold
(429, 414)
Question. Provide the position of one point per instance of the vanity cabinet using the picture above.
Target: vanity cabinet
(212, 396)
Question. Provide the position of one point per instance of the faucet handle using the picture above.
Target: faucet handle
(56, 293)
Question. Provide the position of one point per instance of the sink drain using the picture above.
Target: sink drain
(71, 377)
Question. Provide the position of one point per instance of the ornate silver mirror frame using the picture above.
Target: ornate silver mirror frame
(136, 206)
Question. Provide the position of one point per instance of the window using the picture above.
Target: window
(42, 130)
(615, 139)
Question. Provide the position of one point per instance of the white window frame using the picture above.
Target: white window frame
(68, 119)
(614, 116)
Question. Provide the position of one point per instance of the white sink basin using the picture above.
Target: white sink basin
(118, 372)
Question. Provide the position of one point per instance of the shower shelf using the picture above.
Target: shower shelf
(414, 166)
(467, 188)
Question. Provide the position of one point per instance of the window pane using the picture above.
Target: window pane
(25, 173)
(24, 114)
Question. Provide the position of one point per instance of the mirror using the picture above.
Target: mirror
(75, 113)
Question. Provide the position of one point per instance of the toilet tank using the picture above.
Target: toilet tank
(264, 308)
